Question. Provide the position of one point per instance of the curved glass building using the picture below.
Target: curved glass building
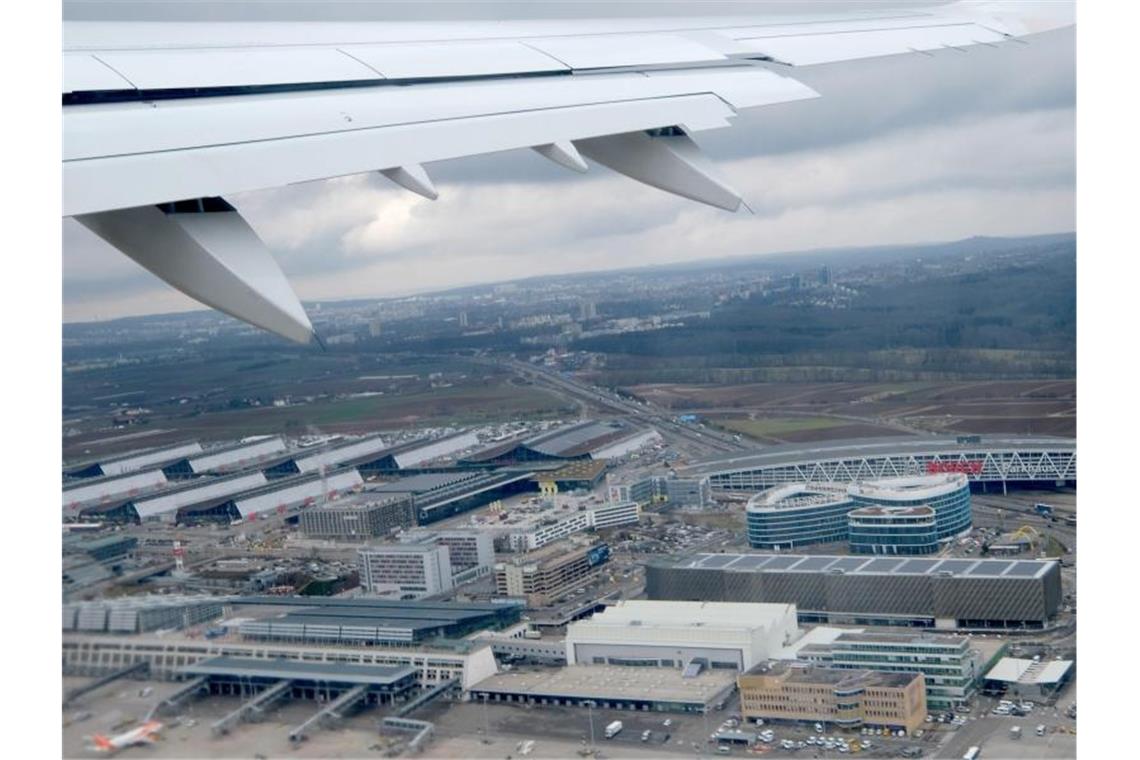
(893, 530)
(798, 515)
(948, 494)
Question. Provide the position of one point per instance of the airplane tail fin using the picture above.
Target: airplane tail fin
(102, 743)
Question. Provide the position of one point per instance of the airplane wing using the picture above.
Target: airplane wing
(162, 121)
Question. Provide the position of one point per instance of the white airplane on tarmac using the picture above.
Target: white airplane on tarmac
(147, 733)
(165, 120)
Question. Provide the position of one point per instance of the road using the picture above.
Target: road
(706, 439)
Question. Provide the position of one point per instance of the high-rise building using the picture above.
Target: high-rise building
(587, 310)
(825, 276)
(471, 552)
(463, 319)
(406, 571)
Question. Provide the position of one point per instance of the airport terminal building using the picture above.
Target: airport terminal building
(1005, 594)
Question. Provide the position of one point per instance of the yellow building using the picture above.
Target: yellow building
(845, 698)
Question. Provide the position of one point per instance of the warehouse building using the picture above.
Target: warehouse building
(951, 667)
(583, 440)
(164, 506)
(358, 517)
(606, 687)
(133, 461)
(274, 499)
(784, 691)
(326, 457)
(941, 593)
(549, 573)
(223, 459)
(684, 635)
(111, 490)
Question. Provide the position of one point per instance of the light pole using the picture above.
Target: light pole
(590, 709)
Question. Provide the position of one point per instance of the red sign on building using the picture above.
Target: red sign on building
(972, 467)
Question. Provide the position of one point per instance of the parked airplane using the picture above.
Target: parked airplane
(164, 120)
(147, 733)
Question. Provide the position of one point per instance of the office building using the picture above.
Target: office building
(893, 530)
(951, 667)
(797, 515)
(546, 575)
(362, 517)
(470, 552)
(785, 691)
(405, 571)
(946, 493)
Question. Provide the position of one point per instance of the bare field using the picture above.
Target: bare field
(776, 412)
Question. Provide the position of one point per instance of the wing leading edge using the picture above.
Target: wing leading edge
(156, 134)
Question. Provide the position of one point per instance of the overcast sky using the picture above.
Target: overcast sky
(905, 149)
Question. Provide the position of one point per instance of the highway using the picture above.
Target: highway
(710, 441)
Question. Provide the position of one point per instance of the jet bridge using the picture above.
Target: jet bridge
(254, 709)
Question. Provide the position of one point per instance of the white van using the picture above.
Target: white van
(1041, 730)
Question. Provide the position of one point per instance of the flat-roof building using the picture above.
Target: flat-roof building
(718, 635)
(544, 575)
(609, 687)
(942, 593)
(406, 571)
(784, 691)
(360, 517)
(951, 667)
(893, 530)
(471, 552)
(1028, 678)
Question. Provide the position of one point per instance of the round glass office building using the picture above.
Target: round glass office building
(798, 515)
(893, 530)
(948, 494)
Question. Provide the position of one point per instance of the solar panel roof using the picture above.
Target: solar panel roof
(782, 563)
(989, 567)
(917, 566)
(880, 566)
(847, 564)
(717, 560)
(749, 561)
(815, 563)
(1024, 569)
(954, 565)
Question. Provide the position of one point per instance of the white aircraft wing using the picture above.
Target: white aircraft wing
(163, 120)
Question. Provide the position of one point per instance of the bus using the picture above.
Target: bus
(972, 753)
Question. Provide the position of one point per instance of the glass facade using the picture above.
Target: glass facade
(888, 530)
(818, 521)
(951, 502)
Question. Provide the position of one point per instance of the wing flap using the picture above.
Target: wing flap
(810, 49)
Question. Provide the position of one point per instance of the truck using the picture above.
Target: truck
(613, 729)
